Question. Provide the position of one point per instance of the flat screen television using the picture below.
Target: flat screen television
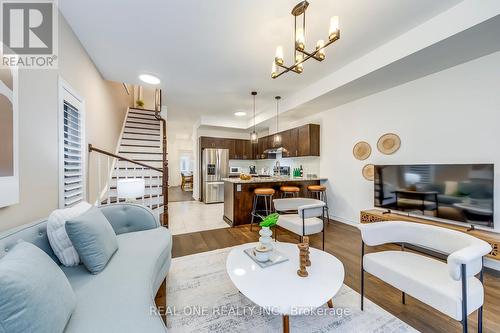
(456, 192)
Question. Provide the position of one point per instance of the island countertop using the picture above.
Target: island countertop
(239, 194)
(272, 179)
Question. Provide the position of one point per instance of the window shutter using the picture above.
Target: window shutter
(73, 182)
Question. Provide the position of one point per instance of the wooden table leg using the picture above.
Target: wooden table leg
(330, 303)
(286, 324)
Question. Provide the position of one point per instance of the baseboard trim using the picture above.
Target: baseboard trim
(343, 220)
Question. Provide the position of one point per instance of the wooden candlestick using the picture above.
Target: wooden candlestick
(308, 261)
(302, 272)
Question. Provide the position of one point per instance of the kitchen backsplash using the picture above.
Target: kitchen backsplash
(310, 164)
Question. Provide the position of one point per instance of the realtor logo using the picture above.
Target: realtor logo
(29, 33)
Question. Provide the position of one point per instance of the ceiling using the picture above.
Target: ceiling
(211, 54)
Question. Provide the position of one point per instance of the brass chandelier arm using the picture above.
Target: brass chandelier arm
(307, 56)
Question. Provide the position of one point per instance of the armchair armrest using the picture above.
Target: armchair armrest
(311, 210)
(380, 233)
(471, 256)
(282, 205)
(126, 217)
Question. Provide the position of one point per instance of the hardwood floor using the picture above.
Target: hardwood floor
(344, 242)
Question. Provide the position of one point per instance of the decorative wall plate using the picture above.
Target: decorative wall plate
(362, 150)
(369, 172)
(389, 143)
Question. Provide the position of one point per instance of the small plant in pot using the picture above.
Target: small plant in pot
(139, 103)
(263, 250)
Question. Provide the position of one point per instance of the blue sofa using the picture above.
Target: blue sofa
(121, 297)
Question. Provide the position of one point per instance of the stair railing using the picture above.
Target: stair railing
(164, 153)
(155, 173)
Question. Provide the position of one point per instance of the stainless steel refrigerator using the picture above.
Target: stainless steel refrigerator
(215, 166)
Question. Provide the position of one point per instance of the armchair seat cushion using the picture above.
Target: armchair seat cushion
(293, 223)
(425, 279)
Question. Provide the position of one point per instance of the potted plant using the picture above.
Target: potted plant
(265, 232)
(140, 103)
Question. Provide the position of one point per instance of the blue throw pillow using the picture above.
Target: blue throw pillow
(93, 238)
(35, 295)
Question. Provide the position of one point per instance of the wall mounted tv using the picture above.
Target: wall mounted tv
(456, 192)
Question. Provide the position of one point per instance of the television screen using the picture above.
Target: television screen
(457, 192)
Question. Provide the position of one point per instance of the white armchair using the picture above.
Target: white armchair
(309, 220)
(450, 288)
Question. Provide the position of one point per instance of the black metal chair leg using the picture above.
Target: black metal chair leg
(480, 310)
(464, 299)
(362, 275)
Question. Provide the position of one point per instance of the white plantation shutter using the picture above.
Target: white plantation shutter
(72, 148)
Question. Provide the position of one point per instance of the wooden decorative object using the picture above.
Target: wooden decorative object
(308, 260)
(389, 143)
(362, 150)
(303, 248)
(374, 215)
(369, 172)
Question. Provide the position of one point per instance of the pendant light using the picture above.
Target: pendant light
(277, 137)
(253, 135)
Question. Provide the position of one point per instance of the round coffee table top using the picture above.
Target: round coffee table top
(278, 288)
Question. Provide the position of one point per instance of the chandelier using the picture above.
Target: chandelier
(300, 54)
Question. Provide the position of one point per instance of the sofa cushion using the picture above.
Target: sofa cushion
(121, 298)
(35, 295)
(426, 279)
(58, 238)
(293, 222)
(93, 238)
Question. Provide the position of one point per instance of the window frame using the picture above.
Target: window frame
(65, 91)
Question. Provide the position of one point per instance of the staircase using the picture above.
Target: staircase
(141, 141)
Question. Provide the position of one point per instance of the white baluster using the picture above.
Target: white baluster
(110, 175)
(98, 180)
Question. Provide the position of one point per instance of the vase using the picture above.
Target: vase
(265, 238)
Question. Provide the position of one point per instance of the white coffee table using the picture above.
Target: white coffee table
(279, 288)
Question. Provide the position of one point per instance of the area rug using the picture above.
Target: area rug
(202, 298)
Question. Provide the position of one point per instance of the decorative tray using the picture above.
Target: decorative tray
(275, 257)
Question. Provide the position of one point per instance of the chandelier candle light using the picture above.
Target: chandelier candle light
(300, 54)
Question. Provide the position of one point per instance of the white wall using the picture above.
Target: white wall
(106, 105)
(449, 117)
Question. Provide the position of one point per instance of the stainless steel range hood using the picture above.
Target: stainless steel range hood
(276, 150)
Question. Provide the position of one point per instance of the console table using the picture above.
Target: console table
(375, 215)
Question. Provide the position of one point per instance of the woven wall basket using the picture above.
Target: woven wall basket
(362, 150)
(369, 172)
(389, 143)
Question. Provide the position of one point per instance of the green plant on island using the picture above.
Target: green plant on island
(139, 103)
(270, 220)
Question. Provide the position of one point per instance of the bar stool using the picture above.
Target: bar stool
(319, 192)
(289, 191)
(266, 194)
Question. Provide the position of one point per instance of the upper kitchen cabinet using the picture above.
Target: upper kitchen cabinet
(308, 140)
(243, 150)
(300, 141)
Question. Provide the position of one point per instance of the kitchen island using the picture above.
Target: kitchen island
(238, 194)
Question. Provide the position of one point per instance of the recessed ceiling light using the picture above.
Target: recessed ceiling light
(240, 114)
(148, 78)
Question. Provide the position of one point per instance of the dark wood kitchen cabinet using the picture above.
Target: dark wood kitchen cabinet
(308, 140)
(243, 150)
(300, 141)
